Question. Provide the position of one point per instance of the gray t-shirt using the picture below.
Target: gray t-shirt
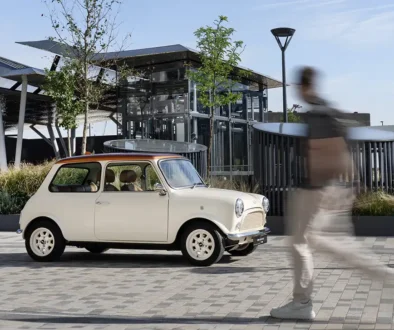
(323, 122)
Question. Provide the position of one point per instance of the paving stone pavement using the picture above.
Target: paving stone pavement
(124, 289)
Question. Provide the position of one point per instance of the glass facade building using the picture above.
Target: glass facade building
(161, 103)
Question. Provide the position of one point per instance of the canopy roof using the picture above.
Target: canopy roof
(146, 55)
(7, 65)
(36, 77)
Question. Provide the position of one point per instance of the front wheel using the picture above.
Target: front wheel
(202, 244)
(243, 250)
(44, 241)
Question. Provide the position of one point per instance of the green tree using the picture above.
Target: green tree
(215, 77)
(60, 86)
(292, 116)
(87, 29)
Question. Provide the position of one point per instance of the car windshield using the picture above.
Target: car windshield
(180, 173)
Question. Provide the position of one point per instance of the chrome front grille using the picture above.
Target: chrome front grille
(252, 221)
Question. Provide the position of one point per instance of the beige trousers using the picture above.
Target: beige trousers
(320, 219)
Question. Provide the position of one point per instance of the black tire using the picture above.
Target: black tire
(218, 249)
(58, 239)
(244, 251)
(96, 249)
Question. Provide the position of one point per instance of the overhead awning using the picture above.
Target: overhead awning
(50, 46)
(58, 48)
(36, 77)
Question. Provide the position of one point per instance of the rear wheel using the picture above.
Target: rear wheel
(202, 244)
(243, 250)
(44, 241)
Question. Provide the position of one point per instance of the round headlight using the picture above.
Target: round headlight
(239, 207)
(266, 204)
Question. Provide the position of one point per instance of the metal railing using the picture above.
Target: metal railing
(279, 166)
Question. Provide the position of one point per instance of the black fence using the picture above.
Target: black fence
(195, 152)
(279, 166)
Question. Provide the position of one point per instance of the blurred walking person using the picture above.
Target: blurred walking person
(319, 214)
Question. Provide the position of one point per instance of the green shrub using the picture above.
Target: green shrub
(25, 180)
(18, 185)
(12, 204)
(374, 204)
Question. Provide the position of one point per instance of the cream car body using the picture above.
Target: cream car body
(153, 219)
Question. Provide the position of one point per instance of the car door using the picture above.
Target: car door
(128, 209)
(71, 199)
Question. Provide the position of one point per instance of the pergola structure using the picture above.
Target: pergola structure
(30, 106)
(162, 103)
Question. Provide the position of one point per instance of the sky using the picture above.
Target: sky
(347, 40)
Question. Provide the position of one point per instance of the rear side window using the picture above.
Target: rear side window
(70, 176)
(77, 178)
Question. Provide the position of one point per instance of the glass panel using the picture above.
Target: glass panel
(77, 178)
(166, 129)
(70, 176)
(238, 109)
(240, 147)
(170, 74)
(124, 177)
(221, 147)
(180, 173)
(254, 107)
(169, 103)
(203, 131)
(151, 178)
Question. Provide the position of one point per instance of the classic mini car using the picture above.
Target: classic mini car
(139, 201)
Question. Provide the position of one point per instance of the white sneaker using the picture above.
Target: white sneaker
(295, 311)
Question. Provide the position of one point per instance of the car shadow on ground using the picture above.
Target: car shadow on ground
(105, 260)
(156, 320)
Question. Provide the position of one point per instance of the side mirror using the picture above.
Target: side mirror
(159, 187)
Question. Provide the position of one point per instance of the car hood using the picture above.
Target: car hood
(201, 193)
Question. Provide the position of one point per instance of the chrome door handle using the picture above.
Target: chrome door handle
(102, 203)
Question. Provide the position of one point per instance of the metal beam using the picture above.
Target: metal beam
(53, 141)
(55, 63)
(114, 120)
(21, 123)
(59, 133)
(3, 153)
(15, 86)
(42, 136)
(73, 142)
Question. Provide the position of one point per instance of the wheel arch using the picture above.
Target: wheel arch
(196, 220)
(40, 218)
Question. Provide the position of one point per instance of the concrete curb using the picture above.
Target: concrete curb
(9, 222)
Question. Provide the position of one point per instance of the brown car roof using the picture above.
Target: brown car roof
(116, 157)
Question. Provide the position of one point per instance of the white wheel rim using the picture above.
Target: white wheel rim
(200, 244)
(42, 242)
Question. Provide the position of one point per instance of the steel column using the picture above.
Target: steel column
(21, 122)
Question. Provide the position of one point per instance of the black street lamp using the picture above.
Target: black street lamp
(288, 34)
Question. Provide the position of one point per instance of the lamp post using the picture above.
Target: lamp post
(287, 33)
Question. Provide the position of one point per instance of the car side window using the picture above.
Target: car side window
(151, 178)
(124, 177)
(77, 178)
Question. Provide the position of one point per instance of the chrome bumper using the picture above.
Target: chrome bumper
(248, 234)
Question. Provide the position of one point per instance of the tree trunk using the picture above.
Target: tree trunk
(85, 130)
(69, 143)
(211, 135)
